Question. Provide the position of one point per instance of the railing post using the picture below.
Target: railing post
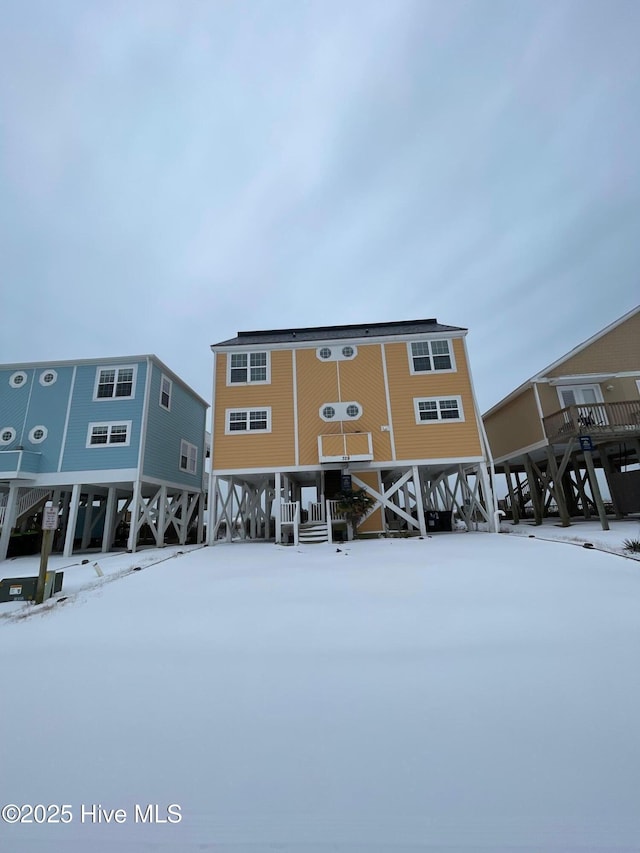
(329, 523)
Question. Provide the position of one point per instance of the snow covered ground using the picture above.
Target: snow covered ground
(468, 692)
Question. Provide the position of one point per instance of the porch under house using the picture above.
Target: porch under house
(301, 507)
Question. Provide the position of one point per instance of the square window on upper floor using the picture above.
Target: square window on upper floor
(115, 383)
(248, 368)
(431, 356)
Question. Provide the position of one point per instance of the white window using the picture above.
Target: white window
(430, 356)
(166, 386)
(47, 377)
(429, 409)
(248, 420)
(115, 383)
(188, 457)
(109, 434)
(248, 367)
(38, 434)
(7, 435)
(18, 379)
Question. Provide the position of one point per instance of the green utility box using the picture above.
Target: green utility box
(24, 589)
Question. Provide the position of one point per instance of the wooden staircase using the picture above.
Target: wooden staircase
(313, 532)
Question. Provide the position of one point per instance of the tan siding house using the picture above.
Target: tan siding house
(579, 413)
(389, 406)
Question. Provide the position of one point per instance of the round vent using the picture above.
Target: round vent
(329, 412)
(38, 434)
(18, 379)
(347, 352)
(353, 411)
(48, 377)
(7, 435)
(325, 352)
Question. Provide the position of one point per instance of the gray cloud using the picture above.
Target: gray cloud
(173, 172)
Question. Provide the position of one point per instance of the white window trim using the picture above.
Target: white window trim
(341, 411)
(117, 368)
(109, 425)
(429, 341)
(13, 435)
(579, 387)
(34, 440)
(12, 379)
(164, 379)
(249, 381)
(247, 412)
(44, 373)
(437, 400)
(336, 352)
(185, 450)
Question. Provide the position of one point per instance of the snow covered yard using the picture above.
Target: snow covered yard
(462, 693)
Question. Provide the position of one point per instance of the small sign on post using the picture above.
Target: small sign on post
(49, 518)
(49, 524)
(585, 442)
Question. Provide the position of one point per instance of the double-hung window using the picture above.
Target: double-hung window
(165, 393)
(188, 457)
(248, 367)
(248, 420)
(115, 383)
(109, 434)
(431, 356)
(428, 409)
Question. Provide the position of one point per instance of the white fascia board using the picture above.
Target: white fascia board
(361, 466)
(314, 344)
(85, 478)
(572, 378)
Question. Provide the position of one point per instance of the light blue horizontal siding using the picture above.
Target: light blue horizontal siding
(165, 431)
(86, 410)
(33, 404)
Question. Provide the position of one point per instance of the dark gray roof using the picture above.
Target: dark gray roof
(332, 333)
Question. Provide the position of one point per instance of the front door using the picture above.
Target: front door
(588, 399)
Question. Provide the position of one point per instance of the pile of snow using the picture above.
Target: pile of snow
(465, 692)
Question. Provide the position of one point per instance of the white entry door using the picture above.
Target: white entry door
(588, 399)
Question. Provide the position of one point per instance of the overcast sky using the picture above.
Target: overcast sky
(173, 171)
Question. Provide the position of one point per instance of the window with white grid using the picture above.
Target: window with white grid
(109, 434)
(115, 383)
(429, 409)
(188, 457)
(248, 420)
(431, 356)
(248, 368)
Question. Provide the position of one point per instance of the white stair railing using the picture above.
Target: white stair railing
(316, 512)
(26, 501)
(290, 514)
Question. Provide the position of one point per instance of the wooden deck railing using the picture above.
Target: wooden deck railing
(594, 419)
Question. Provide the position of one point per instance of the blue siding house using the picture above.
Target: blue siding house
(108, 441)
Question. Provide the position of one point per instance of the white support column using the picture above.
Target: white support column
(88, 518)
(277, 500)
(9, 519)
(162, 517)
(134, 512)
(417, 485)
(72, 519)
(487, 494)
(184, 518)
(200, 537)
(107, 533)
(212, 509)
